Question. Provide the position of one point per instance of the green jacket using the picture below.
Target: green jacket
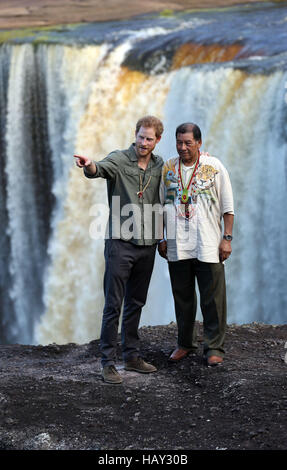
(132, 218)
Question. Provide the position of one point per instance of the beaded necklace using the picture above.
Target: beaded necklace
(184, 194)
(185, 198)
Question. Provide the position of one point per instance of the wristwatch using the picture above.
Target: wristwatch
(228, 237)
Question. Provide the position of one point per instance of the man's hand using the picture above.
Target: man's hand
(82, 161)
(162, 249)
(85, 162)
(225, 249)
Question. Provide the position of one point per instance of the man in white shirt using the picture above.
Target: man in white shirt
(196, 193)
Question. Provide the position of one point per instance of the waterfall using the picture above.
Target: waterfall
(6, 303)
(43, 113)
(28, 177)
(58, 99)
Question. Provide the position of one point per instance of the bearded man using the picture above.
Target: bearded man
(133, 178)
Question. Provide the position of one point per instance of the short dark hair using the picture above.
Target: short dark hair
(189, 127)
(150, 121)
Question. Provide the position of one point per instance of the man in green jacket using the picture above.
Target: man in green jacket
(133, 177)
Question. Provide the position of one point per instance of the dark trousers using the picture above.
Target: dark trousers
(127, 277)
(211, 283)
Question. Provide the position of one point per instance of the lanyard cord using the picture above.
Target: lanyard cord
(142, 190)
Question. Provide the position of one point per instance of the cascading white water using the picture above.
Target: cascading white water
(67, 82)
(25, 259)
(67, 99)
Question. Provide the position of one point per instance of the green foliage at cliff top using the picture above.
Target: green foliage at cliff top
(36, 34)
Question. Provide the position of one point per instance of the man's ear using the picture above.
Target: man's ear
(158, 139)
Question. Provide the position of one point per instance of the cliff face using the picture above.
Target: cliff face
(53, 397)
(32, 13)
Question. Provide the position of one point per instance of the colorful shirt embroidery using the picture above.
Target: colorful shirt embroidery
(197, 224)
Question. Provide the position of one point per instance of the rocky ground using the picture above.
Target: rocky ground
(27, 13)
(53, 398)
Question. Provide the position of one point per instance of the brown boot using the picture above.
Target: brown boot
(214, 360)
(178, 354)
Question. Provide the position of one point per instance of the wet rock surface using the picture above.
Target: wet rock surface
(53, 398)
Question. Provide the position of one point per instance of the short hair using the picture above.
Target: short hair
(150, 121)
(189, 127)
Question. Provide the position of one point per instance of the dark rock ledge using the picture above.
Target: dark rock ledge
(53, 398)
